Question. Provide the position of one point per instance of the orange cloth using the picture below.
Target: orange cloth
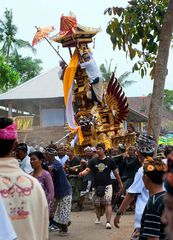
(68, 81)
(69, 75)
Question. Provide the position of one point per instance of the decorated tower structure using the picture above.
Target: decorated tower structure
(93, 114)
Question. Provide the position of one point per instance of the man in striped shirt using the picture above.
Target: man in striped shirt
(151, 226)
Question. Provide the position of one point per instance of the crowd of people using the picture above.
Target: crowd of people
(39, 187)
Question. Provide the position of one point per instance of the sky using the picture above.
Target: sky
(28, 14)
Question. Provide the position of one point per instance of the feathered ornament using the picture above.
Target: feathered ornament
(116, 100)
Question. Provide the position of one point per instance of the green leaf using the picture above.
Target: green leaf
(114, 40)
(142, 72)
(108, 29)
(107, 10)
(115, 10)
(110, 11)
(120, 11)
(135, 67)
(152, 47)
(124, 46)
(139, 53)
(140, 31)
(132, 52)
(135, 39)
(114, 25)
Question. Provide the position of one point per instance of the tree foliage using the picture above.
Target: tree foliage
(168, 99)
(106, 70)
(148, 25)
(136, 30)
(8, 30)
(26, 66)
(15, 68)
(9, 77)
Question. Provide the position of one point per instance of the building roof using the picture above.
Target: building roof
(135, 116)
(142, 106)
(46, 85)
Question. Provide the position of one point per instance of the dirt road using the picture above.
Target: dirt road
(84, 228)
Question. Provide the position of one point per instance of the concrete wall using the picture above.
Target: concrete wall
(41, 136)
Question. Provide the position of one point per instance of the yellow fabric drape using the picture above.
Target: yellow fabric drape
(68, 81)
(79, 132)
(69, 75)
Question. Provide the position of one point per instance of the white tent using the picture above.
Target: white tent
(46, 85)
(41, 97)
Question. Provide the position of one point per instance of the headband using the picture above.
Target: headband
(9, 132)
(151, 164)
(50, 150)
(88, 149)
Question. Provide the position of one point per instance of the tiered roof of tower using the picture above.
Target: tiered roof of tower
(72, 33)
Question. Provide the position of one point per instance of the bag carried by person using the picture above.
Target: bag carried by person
(100, 191)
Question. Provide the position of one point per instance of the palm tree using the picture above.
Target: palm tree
(106, 71)
(9, 42)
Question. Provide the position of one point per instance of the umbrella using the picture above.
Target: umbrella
(43, 32)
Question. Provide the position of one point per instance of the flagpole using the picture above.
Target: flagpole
(62, 138)
(55, 50)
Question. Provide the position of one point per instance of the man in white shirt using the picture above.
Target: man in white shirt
(94, 76)
(6, 229)
(24, 159)
(62, 157)
(91, 67)
(145, 148)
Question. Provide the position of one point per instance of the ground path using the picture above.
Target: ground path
(84, 228)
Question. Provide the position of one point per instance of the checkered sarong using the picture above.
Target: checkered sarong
(105, 200)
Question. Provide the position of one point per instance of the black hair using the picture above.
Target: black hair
(168, 150)
(101, 145)
(147, 154)
(5, 145)
(130, 126)
(155, 176)
(38, 154)
(23, 147)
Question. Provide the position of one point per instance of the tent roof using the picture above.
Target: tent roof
(46, 85)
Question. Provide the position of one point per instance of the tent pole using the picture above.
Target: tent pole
(9, 111)
(40, 114)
